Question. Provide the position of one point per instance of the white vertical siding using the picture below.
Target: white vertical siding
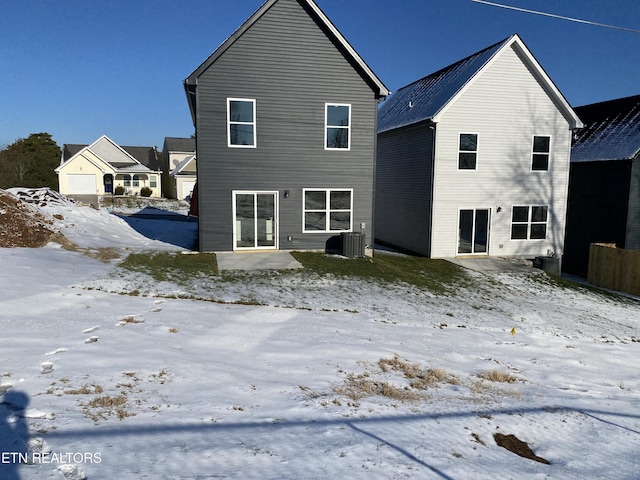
(506, 106)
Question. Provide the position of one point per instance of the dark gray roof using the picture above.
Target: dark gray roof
(70, 149)
(611, 132)
(423, 99)
(145, 155)
(175, 144)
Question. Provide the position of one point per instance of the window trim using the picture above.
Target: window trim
(529, 223)
(327, 209)
(230, 122)
(533, 152)
(327, 126)
(468, 151)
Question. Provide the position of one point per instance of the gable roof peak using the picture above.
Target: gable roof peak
(426, 99)
(190, 82)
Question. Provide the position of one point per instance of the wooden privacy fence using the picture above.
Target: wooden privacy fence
(614, 268)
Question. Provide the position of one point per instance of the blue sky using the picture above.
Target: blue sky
(79, 69)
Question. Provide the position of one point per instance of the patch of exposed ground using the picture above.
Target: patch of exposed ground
(517, 446)
(21, 225)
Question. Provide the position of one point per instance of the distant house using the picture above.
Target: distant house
(179, 168)
(285, 115)
(474, 159)
(99, 168)
(604, 183)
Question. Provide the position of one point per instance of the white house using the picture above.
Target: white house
(101, 167)
(179, 167)
(474, 159)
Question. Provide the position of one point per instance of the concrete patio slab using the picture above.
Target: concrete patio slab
(256, 261)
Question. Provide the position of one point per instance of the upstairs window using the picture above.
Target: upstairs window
(540, 155)
(468, 151)
(327, 210)
(241, 122)
(337, 132)
(529, 223)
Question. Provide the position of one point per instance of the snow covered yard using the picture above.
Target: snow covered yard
(110, 374)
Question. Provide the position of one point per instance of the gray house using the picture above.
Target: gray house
(474, 159)
(604, 181)
(285, 113)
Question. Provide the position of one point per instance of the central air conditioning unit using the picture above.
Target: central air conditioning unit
(353, 244)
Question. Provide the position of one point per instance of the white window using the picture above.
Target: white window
(241, 122)
(327, 210)
(540, 153)
(468, 151)
(529, 223)
(337, 132)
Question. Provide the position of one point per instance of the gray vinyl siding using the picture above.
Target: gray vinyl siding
(633, 222)
(506, 106)
(404, 170)
(290, 67)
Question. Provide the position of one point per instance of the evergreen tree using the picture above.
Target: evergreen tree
(30, 162)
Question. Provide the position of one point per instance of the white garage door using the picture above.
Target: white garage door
(187, 187)
(81, 184)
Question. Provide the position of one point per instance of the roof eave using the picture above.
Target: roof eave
(190, 92)
(383, 91)
(568, 111)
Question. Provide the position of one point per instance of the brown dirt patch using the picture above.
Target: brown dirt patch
(21, 225)
(517, 446)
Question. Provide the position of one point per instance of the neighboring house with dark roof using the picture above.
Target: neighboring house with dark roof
(99, 168)
(604, 182)
(474, 159)
(285, 115)
(179, 167)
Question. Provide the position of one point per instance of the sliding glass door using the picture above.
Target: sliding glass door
(473, 228)
(255, 220)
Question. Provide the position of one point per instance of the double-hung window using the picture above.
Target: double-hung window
(326, 210)
(529, 222)
(337, 132)
(468, 151)
(540, 153)
(241, 122)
